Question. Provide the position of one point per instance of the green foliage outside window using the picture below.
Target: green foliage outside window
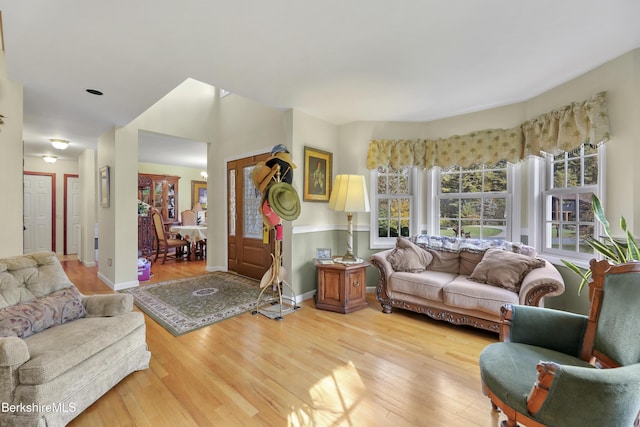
(473, 201)
(394, 202)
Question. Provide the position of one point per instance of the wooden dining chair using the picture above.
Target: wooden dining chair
(189, 217)
(164, 244)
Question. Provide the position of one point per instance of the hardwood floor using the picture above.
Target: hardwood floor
(314, 368)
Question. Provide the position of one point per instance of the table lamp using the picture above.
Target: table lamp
(349, 194)
(197, 208)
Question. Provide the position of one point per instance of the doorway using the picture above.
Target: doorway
(39, 206)
(248, 255)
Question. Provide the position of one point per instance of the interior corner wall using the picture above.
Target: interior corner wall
(106, 215)
(117, 251)
(11, 106)
(88, 184)
(315, 227)
(635, 181)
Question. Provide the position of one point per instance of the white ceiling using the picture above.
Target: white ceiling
(338, 60)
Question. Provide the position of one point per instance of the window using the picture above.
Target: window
(475, 202)
(572, 178)
(393, 211)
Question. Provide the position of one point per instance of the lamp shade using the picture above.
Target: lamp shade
(349, 194)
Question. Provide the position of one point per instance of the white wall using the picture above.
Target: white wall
(309, 131)
(11, 192)
(88, 189)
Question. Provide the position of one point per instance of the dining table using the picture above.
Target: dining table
(193, 233)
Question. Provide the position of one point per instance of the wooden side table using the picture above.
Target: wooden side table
(341, 287)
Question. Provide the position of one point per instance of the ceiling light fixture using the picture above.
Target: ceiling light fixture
(60, 144)
(50, 159)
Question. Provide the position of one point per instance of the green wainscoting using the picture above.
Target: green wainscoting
(304, 279)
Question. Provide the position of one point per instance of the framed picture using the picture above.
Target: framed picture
(317, 175)
(104, 186)
(199, 194)
(323, 253)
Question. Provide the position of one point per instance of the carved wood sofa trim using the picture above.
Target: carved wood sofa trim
(532, 298)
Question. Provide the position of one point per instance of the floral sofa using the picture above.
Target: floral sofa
(60, 350)
(462, 281)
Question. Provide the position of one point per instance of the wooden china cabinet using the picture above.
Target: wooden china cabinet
(161, 192)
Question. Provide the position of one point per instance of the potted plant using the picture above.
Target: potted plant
(612, 250)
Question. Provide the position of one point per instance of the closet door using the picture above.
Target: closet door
(38, 208)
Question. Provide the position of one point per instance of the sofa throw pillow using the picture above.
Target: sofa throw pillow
(504, 269)
(22, 320)
(409, 257)
(444, 260)
(469, 259)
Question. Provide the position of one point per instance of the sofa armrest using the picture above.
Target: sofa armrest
(107, 305)
(13, 354)
(540, 282)
(532, 325)
(379, 260)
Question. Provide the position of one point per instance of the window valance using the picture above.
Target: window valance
(563, 129)
(567, 128)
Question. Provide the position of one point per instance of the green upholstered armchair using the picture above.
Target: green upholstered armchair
(554, 368)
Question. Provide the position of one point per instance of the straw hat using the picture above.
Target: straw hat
(284, 200)
(262, 176)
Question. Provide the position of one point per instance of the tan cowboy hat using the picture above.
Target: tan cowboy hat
(262, 175)
(282, 156)
(284, 200)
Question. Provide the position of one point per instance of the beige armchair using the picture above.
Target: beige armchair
(60, 350)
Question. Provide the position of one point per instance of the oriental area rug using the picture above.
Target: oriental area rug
(184, 305)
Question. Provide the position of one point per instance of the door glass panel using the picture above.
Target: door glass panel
(232, 202)
(171, 201)
(157, 195)
(251, 218)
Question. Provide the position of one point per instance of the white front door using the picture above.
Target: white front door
(37, 213)
(72, 214)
